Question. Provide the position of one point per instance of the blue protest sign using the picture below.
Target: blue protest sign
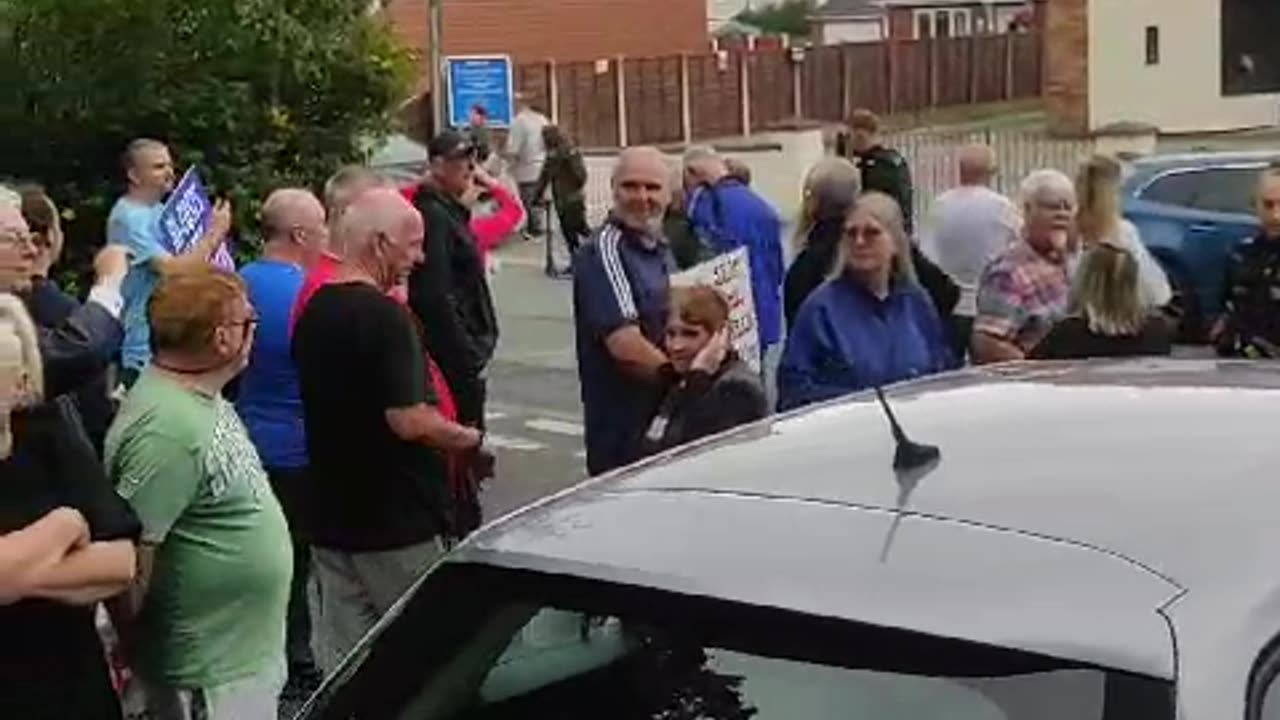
(185, 219)
(484, 80)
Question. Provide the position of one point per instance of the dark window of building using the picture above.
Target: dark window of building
(942, 24)
(1153, 45)
(1250, 55)
(924, 26)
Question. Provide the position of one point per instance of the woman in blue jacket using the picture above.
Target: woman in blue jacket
(870, 324)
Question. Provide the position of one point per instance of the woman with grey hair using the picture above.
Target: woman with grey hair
(66, 543)
(830, 189)
(1025, 290)
(870, 324)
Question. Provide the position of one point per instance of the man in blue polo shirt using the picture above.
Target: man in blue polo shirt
(620, 287)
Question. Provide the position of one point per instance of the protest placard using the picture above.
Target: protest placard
(186, 216)
(730, 274)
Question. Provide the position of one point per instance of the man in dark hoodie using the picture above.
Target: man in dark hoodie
(449, 291)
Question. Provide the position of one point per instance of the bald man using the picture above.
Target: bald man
(620, 286)
(269, 403)
(378, 485)
(968, 227)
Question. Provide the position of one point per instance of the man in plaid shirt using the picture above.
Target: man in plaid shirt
(1025, 290)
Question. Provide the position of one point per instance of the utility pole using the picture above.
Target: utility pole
(435, 29)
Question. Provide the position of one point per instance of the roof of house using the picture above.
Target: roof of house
(853, 9)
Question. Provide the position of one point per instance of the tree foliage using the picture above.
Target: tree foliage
(257, 93)
(787, 17)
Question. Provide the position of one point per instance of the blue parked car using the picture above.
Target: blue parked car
(1191, 210)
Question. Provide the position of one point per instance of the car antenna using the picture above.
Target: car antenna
(908, 455)
(911, 462)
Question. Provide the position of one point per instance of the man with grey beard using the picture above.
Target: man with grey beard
(620, 288)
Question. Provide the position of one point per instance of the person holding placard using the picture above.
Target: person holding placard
(134, 223)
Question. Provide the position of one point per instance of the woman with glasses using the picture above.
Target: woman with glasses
(870, 324)
(1108, 315)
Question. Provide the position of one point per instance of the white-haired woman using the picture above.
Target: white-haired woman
(1027, 288)
(871, 324)
(66, 543)
(1099, 220)
(1108, 316)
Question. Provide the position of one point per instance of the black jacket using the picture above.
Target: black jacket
(449, 291)
(704, 404)
(79, 349)
(51, 308)
(885, 170)
(813, 265)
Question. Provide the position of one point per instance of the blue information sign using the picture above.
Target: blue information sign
(479, 80)
(186, 216)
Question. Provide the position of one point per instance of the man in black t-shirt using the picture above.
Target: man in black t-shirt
(376, 442)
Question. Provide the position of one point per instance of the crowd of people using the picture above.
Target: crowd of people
(249, 468)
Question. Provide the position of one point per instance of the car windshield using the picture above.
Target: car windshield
(553, 653)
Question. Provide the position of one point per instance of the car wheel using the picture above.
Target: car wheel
(1184, 307)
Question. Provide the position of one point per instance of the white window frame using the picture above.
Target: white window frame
(952, 14)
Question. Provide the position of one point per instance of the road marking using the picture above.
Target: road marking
(491, 415)
(581, 454)
(503, 442)
(559, 427)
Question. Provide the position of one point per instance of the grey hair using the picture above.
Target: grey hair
(830, 189)
(18, 345)
(1043, 183)
(700, 153)
(886, 211)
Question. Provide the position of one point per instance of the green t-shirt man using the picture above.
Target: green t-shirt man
(214, 611)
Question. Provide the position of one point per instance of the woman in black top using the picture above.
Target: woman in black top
(1107, 317)
(711, 390)
(66, 543)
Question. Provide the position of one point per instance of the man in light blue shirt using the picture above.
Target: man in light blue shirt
(134, 223)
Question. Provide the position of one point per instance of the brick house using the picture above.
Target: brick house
(561, 30)
(843, 21)
(1212, 65)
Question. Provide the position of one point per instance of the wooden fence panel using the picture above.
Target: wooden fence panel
(821, 93)
(534, 80)
(772, 88)
(866, 72)
(911, 78)
(953, 61)
(653, 100)
(1027, 72)
(715, 101)
(989, 68)
(589, 103)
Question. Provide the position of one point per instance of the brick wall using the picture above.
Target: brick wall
(561, 30)
(1067, 65)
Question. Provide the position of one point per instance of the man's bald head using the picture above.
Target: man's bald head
(977, 164)
(382, 233)
(641, 191)
(294, 221)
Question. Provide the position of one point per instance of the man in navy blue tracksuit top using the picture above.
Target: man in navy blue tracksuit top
(620, 289)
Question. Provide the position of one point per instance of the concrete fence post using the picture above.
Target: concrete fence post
(933, 72)
(553, 92)
(620, 81)
(744, 90)
(686, 106)
(1008, 66)
(797, 87)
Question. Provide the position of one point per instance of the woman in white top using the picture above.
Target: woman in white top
(1099, 220)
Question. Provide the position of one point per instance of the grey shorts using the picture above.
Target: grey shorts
(352, 591)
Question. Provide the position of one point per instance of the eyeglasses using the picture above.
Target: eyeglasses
(16, 237)
(248, 322)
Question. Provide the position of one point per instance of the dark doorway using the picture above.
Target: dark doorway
(1250, 53)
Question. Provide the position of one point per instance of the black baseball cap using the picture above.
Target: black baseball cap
(451, 145)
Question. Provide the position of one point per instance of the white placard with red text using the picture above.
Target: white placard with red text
(730, 273)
